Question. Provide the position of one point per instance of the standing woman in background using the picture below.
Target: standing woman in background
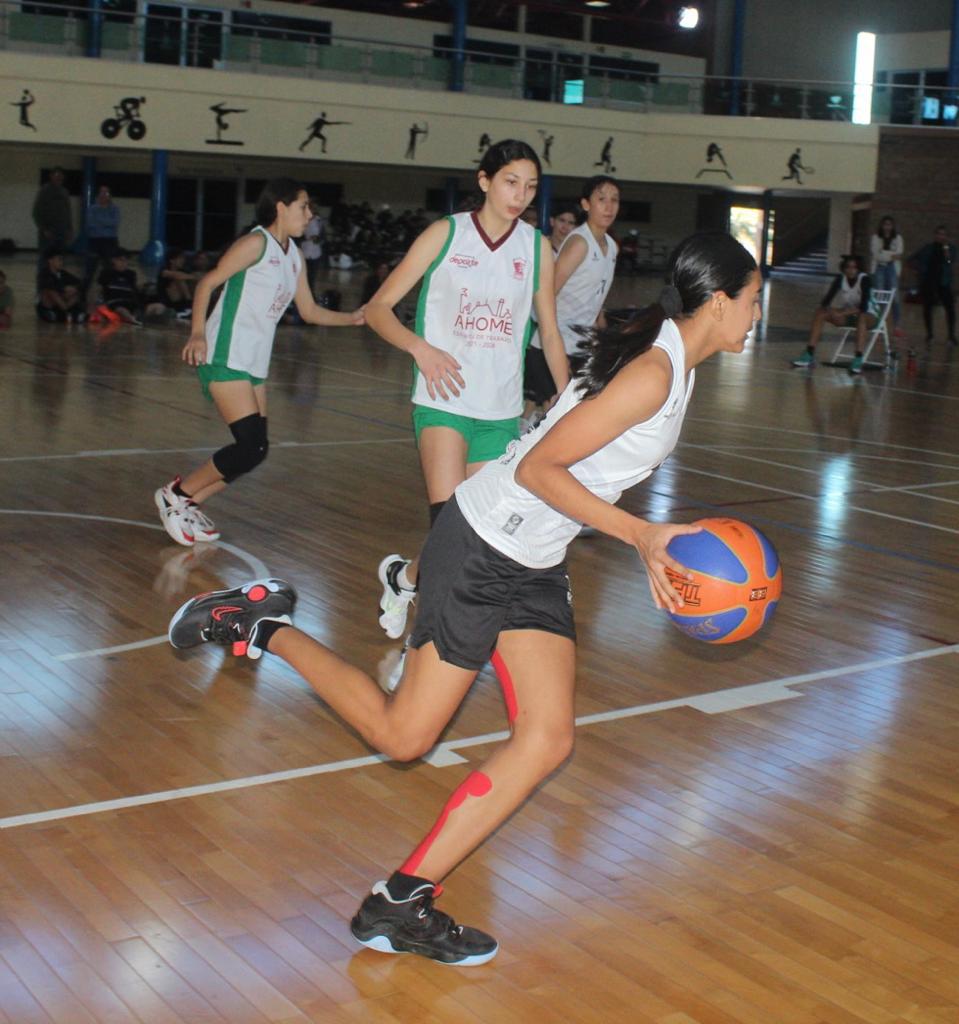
(262, 272)
(482, 272)
(886, 247)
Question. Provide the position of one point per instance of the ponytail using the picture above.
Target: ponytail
(698, 267)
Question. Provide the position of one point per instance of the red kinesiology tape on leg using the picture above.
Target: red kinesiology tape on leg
(475, 784)
(506, 682)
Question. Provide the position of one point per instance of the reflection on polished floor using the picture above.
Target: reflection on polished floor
(761, 833)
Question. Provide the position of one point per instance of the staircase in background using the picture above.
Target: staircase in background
(811, 262)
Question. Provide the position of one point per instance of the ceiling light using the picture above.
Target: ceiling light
(688, 17)
(597, 3)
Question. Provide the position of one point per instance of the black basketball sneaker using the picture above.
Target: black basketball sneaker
(231, 617)
(398, 916)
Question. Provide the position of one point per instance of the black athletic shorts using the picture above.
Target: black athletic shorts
(469, 593)
(538, 383)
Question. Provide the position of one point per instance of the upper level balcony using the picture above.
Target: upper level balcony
(190, 36)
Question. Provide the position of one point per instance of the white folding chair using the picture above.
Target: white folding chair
(882, 298)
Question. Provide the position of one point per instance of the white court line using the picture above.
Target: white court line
(735, 453)
(720, 447)
(754, 427)
(818, 497)
(715, 703)
(97, 453)
(256, 567)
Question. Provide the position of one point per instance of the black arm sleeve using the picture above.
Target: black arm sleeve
(865, 289)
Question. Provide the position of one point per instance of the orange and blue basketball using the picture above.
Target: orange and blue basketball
(736, 584)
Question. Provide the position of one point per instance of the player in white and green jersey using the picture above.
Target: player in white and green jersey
(483, 273)
(261, 274)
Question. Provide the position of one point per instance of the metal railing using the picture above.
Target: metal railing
(208, 38)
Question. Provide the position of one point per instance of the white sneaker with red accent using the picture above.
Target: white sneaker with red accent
(204, 532)
(174, 513)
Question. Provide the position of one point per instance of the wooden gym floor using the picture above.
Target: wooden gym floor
(748, 835)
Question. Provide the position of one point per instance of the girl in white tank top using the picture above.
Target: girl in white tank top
(585, 265)
(483, 272)
(261, 274)
(587, 262)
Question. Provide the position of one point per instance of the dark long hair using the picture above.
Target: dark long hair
(698, 267)
(886, 242)
(276, 190)
(497, 156)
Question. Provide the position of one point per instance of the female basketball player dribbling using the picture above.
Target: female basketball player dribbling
(493, 577)
(262, 273)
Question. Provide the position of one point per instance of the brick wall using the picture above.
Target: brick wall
(917, 184)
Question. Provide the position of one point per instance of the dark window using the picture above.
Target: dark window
(480, 51)
(325, 193)
(555, 24)
(275, 26)
(125, 185)
(635, 211)
(437, 200)
(498, 15)
(619, 67)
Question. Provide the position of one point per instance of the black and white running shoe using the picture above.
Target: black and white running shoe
(398, 916)
(396, 599)
(231, 617)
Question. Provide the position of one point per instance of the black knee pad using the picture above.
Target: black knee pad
(248, 451)
(435, 508)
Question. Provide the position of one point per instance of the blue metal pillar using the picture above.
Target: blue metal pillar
(154, 252)
(953, 79)
(544, 201)
(736, 63)
(95, 28)
(459, 45)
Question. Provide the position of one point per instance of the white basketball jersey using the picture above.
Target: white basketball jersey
(581, 298)
(522, 526)
(240, 329)
(475, 303)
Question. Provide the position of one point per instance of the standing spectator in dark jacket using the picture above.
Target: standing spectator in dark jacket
(934, 263)
(52, 216)
(103, 233)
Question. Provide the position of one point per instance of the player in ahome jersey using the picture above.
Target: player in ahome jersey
(262, 273)
(483, 271)
(494, 585)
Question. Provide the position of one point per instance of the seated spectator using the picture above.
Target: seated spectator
(120, 291)
(59, 293)
(6, 302)
(175, 285)
(848, 303)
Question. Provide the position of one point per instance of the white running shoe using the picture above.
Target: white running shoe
(396, 600)
(174, 513)
(204, 532)
(389, 672)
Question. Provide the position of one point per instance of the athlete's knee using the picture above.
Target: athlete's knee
(546, 745)
(404, 739)
(249, 449)
(406, 744)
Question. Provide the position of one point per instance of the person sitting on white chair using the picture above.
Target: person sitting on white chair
(848, 303)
